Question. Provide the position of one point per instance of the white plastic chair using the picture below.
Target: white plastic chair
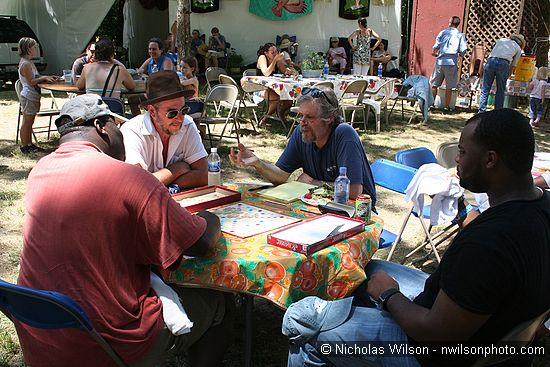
(446, 154)
(357, 89)
(387, 89)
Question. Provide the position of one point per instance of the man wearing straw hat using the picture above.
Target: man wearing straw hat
(165, 141)
(500, 65)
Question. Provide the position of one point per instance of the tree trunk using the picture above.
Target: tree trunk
(183, 38)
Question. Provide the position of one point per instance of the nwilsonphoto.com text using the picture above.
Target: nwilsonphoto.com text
(392, 349)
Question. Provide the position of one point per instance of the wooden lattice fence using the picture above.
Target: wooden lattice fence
(485, 21)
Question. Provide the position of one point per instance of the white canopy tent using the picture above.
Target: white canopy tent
(246, 31)
(63, 27)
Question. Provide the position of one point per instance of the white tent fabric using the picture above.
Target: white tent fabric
(63, 27)
(128, 32)
(313, 30)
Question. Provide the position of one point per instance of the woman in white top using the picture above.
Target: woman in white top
(30, 94)
(105, 76)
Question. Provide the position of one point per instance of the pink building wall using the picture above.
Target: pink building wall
(429, 17)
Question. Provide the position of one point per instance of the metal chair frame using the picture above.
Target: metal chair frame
(245, 104)
(396, 177)
(228, 94)
(49, 310)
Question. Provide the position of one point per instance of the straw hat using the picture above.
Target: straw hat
(285, 43)
(519, 39)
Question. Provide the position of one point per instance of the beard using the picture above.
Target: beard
(308, 137)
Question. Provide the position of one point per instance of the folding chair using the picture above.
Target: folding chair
(520, 336)
(446, 154)
(387, 89)
(396, 177)
(415, 157)
(227, 94)
(50, 112)
(250, 72)
(117, 108)
(357, 88)
(49, 310)
(245, 104)
(402, 96)
(296, 109)
(212, 75)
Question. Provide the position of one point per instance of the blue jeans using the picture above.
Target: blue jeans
(494, 69)
(364, 327)
(536, 108)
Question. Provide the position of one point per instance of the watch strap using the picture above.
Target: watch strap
(386, 295)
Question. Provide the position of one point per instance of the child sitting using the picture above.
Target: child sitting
(336, 54)
(536, 97)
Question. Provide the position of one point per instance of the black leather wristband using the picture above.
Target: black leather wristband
(386, 295)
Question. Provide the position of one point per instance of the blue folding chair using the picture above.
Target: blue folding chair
(49, 310)
(415, 157)
(396, 177)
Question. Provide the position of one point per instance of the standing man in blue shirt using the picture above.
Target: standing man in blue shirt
(319, 145)
(448, 45)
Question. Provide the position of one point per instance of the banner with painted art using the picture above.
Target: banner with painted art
(282, 10)
(354, 9)
(204, 6)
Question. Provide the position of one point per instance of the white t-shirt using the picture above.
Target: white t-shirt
(144, 147)
(507, 49)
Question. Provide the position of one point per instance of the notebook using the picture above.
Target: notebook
(286, 192)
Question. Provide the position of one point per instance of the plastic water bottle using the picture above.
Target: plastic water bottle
(325, 70)
(341, 187)
(214, 168)
(380, 70)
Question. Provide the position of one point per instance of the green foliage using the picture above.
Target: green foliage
(112, 25)
(234, 60)
(313, 61)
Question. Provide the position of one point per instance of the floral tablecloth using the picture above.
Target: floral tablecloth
(251, 265)
(289, 88)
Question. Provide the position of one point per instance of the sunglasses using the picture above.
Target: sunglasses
(317, 93)
(172, 114)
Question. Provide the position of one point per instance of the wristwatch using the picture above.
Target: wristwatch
(385, 296)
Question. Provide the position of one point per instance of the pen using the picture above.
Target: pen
(335, 231)
(275, 204)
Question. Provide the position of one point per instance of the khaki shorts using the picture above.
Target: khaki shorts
(447, 72)
(29, 107)
(205, 307)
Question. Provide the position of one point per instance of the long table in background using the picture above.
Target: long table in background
(290, 88)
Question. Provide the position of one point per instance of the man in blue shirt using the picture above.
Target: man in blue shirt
(448, 45)
(320, 145)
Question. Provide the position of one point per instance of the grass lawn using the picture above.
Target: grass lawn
(270, 347)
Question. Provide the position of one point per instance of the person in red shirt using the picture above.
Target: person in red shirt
(94, 228)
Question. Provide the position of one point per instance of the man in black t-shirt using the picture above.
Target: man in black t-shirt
(494, 276)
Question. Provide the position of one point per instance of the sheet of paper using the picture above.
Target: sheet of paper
(316, 230)
(243, 220)
(289, 191)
